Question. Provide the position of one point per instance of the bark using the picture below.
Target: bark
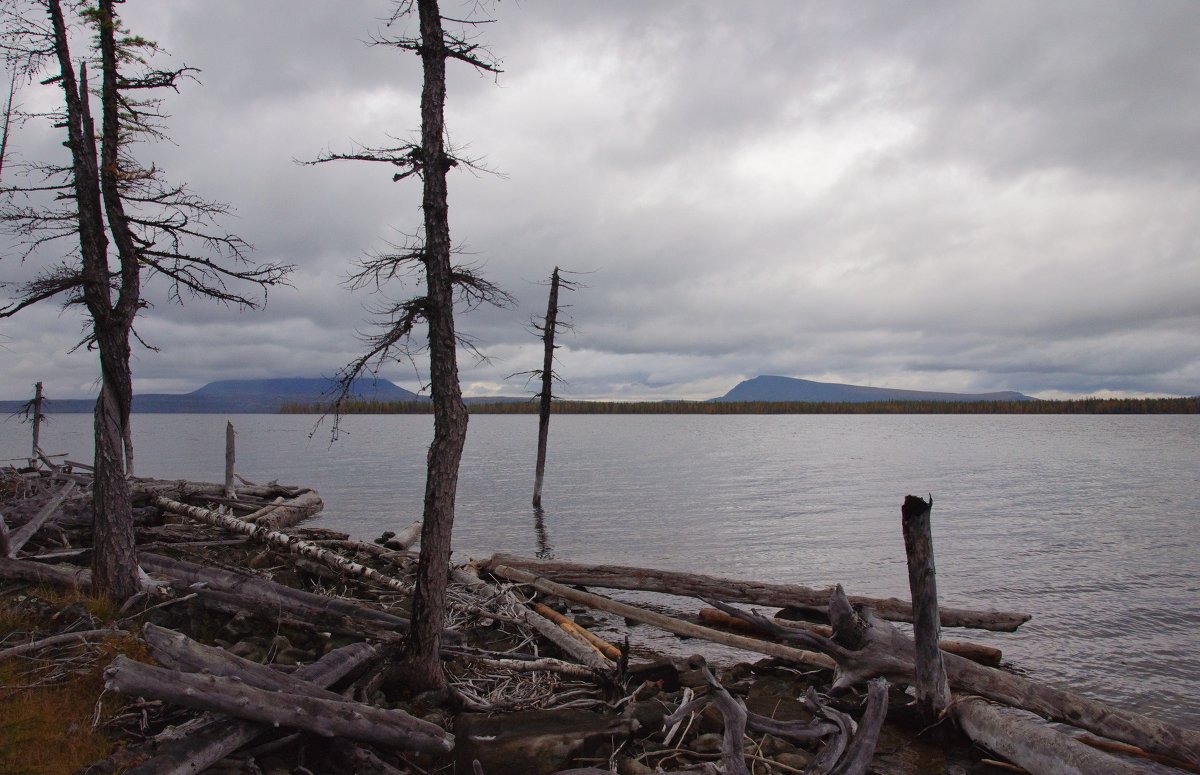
(327, 718)
(195, 746)
(933, 690)
(22, 535)
(545, 398)
(423, 666)
(668, 623)
(283, 541)
(735, 591)
(36, 420)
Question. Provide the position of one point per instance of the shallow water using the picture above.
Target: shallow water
(1090, 523)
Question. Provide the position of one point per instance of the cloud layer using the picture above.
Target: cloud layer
(948, 196)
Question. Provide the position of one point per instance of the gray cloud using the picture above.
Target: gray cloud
(943, 196)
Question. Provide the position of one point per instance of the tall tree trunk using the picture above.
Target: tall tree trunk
(114, 566)
(548, 327)
(422, 666)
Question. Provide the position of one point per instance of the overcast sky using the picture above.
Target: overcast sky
(939, 195)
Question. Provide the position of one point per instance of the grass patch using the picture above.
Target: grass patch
(48, 700)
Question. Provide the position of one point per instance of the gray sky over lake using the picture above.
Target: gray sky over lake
(938, 195)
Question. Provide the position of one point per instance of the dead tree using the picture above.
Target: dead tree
(430, 256)
(104, 194)
(550, 325)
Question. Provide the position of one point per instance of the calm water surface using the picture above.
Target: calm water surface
(1090, 523)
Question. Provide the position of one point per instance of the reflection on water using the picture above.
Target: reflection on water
(1092, 524)
(544, 550)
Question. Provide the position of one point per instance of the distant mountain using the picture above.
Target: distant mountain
(772, 388)
(240, 396)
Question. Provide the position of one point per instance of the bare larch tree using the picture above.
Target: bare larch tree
(430, 255)
(550, 325)
(155, 227)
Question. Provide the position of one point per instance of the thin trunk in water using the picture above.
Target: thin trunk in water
(548, 329)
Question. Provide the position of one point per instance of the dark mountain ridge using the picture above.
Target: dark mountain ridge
(240, 396)
(771, 388)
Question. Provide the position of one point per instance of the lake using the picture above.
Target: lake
(1091, 523)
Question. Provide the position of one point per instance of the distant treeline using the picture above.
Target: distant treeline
(1081, 406)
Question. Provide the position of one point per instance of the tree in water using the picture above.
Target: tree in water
(103, 192)
(430, 255)
(550, 325)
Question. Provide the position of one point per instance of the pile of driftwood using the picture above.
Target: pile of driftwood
(282, 640)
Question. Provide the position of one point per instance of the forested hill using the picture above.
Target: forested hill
(240, 396)
(772, 388)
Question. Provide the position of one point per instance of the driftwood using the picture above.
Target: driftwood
(37, 573)
(327, 718)
(668, 623)
(268, 594)
(734, 591)
(508, 602)
(5, 540)
(21, 535)
(865, 646)
(266, 534)
(595, 641)
(198, 744)
(932, 687)
(976, 652)
(57, 640)
(230, 460)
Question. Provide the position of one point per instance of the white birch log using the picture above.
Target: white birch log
(282, 540)
(327, 718)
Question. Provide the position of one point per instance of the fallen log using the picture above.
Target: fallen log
(508, 603)
(268, 593)
(598, 643)
(57, 640)
(21, 535)
(976, 652)
(267, 535)
(865, 646)
(327, 718)
(195, 746)
(735, 591)
(53, 575)
(668, 623)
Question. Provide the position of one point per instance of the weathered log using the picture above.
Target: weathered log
(861, 749)
(268, 593)
(198, 744)
(735, 591)
(292, 510)
(932, 686)
(328, 718)
(865, 646)
(1033, 745)
(54, 575)
(266, 534)
(58, 640)
(598, 643)
(976, 652)
(404, 540)
(508, 602)
(668, 623)
(5, 540)
(21, 535)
